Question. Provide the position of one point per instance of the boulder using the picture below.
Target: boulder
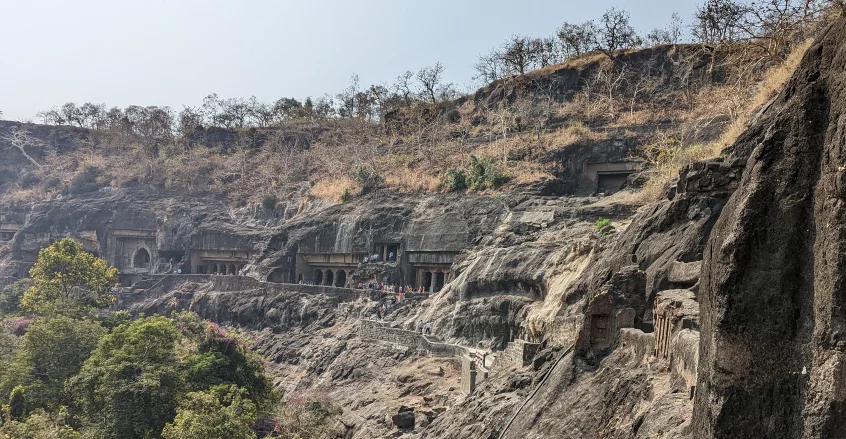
(404, 417)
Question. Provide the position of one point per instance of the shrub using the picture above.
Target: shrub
(365, 177)
(578, 129)
(456, 179)
(602, 222)
(269, 202)
(85, 181)
(484, 174)
(346, 196)
(29, 180)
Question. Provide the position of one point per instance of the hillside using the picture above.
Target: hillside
(635, 246)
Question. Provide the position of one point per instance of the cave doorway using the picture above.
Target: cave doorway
(330, 277)
(318, 277)
(610, 182)
(440, 277)
(342, 279)
(141, 259)
(427, 280)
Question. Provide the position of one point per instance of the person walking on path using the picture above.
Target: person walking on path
(420, 327)
(428, 328)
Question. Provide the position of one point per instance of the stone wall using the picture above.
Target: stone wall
(638, 344)
(373, 330)
(518, 353)
(684, 359)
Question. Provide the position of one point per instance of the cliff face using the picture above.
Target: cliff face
(773, 353)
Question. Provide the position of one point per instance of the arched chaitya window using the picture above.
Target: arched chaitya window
(330, 277)
(232, 269)
(141, 259)
(342, 278)
(318, 277)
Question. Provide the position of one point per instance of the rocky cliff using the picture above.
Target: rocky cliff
(772, 350)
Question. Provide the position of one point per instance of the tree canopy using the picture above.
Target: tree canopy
(67, 280)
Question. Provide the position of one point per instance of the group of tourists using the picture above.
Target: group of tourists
(390, 288)
(392, 257)
(424, 328)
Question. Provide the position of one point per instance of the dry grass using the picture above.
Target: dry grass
(667, 157)
(774, 80)
(333, 190)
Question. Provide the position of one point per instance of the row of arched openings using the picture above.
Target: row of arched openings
(336, 278)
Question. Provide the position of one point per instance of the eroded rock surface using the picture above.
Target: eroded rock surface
(772, 349)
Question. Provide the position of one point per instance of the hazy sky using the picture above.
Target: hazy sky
(175, 52)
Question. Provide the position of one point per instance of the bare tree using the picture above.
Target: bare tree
(615, 32)
(403, 87)
(21, 139)
(517, 54)
(489, 67)
(545, 51)
(675, 28)
(716, 22)
(577, 39)
(430, 81)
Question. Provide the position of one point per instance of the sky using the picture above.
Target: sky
(174, 53)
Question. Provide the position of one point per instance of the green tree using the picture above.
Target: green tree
(129, 386)
(67, 280)
(17, 403)
(224, 412)
(52, 351)
(38, 425)
(221, 357)
(10, 297)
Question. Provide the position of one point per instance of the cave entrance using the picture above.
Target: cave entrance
(330, 277)
(427, 280)
(318, 277)
(439, 281)
(141, 259)
(611, 181)
(342, 278)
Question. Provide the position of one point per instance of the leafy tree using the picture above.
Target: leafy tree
(38, 425)
(69, 281)
(221, 358)
(11, 295)
(17, 403)
(52, 351)
(130, 385)
(224, 412)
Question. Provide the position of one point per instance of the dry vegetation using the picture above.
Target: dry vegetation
(420, 140)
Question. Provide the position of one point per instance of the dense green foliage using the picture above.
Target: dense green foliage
(224, 412)
(69, 372)
(268, 202)
(11, 295)
(456, 179)
(69, 281)
(484, 173)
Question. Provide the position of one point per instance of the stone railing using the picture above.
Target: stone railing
(373, 330)
(163, 284)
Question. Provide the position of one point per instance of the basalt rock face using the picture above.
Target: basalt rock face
(773, 329)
